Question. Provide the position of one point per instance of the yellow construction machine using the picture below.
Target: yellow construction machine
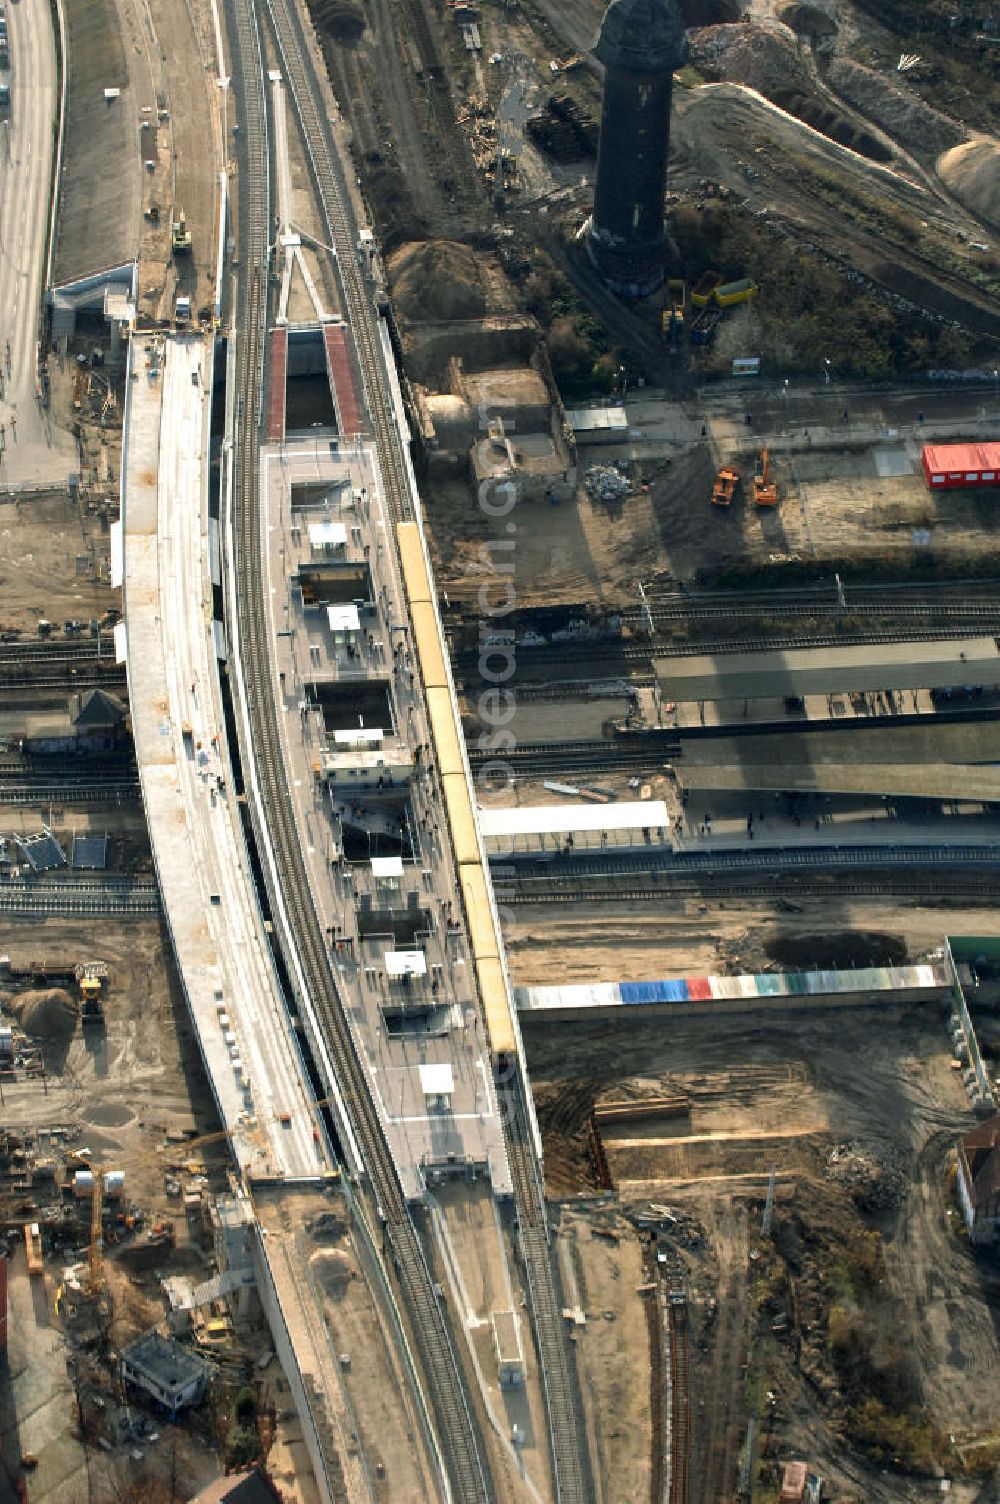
(180, 235)
(765, 492)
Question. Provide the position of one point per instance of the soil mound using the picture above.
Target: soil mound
(49, 1014)
(765, 59)
(326, 1228)
(808, 21)
(972, 172)
(333, 1271)
(344, 20)
(710, 12)
(861, 948)
(434, 280)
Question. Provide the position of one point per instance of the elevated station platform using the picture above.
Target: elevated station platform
(356, 741)
(216, 928)
(800, 672)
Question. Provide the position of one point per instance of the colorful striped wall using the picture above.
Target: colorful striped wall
(754, 988)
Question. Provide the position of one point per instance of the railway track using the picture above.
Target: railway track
(889, 609)
(569, 1447)
(532, 759)
(343, 235)
(726, 888)
(680, 1404)
(135, 898)
(27, 677)
(55, 649)
(465, 1447)
(601, 659)
(461, 1443)
(69, 794)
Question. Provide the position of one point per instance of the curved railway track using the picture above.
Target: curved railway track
(466, 1460)
(461, 1443)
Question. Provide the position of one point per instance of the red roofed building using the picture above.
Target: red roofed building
(947, 466)
(979, 1180)
(793, 1484)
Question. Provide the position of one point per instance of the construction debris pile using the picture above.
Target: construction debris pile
(606, 484)
(874, 1174)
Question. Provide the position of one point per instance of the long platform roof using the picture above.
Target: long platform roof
(566, 819)
(818, 671)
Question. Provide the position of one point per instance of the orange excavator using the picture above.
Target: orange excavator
(765, 492)
(726, 488)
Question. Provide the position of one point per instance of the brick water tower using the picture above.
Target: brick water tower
(641, 43)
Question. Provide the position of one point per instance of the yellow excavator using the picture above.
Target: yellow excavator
(180, 235)
(90, 977)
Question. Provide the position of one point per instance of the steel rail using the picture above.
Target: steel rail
(762, 859)
(460, 1440)
(804, 887)
(567, 1451)
(68, 794)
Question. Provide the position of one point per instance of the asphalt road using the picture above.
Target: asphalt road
(34, 451)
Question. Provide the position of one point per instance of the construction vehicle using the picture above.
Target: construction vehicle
(33, 1248)
(180, 235)
(677, 292)
(222, 1134)
(704, 289)
(765, 492)
(731, 293)
(704, 324)
(673, 322)
(726, 488)
(90, 976)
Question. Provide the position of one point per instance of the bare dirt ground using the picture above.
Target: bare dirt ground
(323, 1250)
(602, 1279)
(862, 1164)
(52, 556)
(120, 1095)
(685, 937)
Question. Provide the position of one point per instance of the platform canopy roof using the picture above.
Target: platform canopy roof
(566, 819)
(405, 963)
(327, 534)
(343, 618)
(387, 866)
(437, 1080)
(840, 670)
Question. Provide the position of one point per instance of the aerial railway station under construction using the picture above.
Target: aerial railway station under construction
(303, 672)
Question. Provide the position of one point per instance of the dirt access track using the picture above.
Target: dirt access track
(718, 125)
(855, 1153)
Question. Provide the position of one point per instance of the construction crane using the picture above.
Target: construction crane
(765, 492)
(221, 1135)
(180, 235)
